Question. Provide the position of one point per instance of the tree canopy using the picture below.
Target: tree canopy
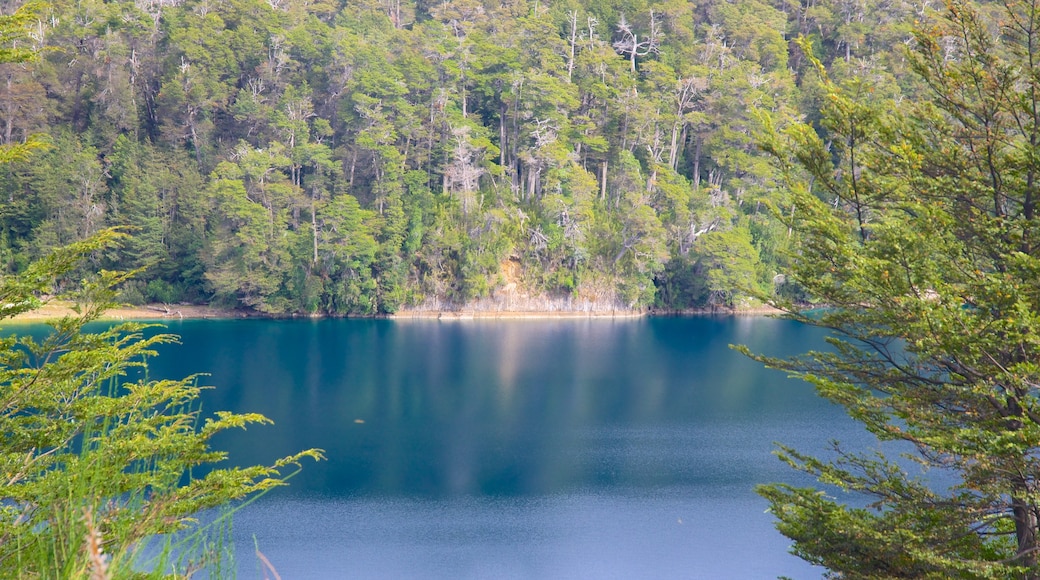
(589, 153)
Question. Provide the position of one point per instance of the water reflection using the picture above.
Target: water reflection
(576, 448)
(527, 407)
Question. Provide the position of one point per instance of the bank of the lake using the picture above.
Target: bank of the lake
(56, 309)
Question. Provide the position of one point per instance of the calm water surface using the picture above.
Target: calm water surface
(513, 449)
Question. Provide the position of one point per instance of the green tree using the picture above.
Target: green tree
(346, 251)
(17, 47)
(94, 463)
(918, 233)
(68, 182)
(247, 254)
(726, 261)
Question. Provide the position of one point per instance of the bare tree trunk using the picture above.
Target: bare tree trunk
(697, 164)
(673, 153)
(635, 45)
(353, 166)
(573, 41)
(502, 138)
(314, 231)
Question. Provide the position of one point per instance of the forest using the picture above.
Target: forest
(334, 157)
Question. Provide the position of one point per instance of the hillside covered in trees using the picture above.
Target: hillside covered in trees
(314, 156)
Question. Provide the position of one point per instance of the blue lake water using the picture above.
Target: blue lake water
(513, 449)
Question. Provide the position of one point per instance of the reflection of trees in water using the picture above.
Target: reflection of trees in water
(480, 407)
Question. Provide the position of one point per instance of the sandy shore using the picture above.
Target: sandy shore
(58, 308)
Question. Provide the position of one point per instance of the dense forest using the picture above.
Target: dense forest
(316, 156)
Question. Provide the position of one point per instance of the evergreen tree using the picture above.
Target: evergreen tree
(918, 236)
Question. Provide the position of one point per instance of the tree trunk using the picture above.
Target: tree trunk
(635, 45)
(314, 231)
(502, 137)
(353, 166)
(697, 164)
(673, 153)
(1025, 530)
(573, 42)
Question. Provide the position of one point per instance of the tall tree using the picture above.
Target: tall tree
(918, 232)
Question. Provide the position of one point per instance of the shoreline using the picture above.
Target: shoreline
(513, 314)
(56, 309)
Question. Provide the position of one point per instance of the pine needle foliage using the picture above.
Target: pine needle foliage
(93, 464)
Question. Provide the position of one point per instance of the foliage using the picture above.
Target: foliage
(94, 463)
(917, 230)
(594, 144)
(16, 47)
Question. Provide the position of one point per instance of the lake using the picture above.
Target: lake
(513, 449)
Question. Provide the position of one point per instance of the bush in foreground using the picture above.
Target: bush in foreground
(91, 465)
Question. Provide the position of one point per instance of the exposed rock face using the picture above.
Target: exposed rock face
(511, 303)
